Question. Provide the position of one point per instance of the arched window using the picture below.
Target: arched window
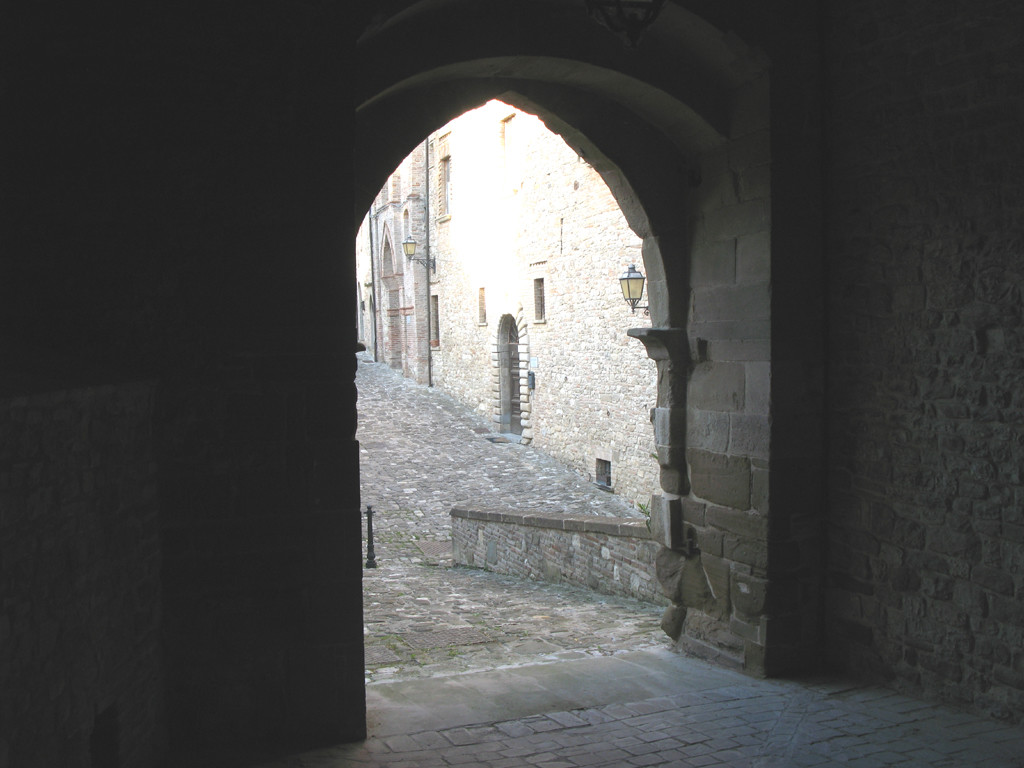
(387, 256)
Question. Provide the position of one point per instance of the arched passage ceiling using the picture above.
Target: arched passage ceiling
(640, 118)
(637, 117)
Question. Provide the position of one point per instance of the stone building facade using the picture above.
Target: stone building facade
(392, 320)
(528, 323)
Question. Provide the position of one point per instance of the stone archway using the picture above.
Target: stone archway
(685, 136)
(392, 287)
(510, 359)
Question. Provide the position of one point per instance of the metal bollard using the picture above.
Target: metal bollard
(371, 559)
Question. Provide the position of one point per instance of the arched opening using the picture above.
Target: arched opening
(668, 153)
(508, 365)
(689, 158)
(392, 290)
(522, 207)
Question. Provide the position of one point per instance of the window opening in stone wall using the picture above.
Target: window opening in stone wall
(387, 259)
(603, 473)
(406, 227)
(538, 299)
(444, 192)
(435, 330)
(481, 308)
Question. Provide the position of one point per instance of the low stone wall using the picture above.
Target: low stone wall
(612, 555)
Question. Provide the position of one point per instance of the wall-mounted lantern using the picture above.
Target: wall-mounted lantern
(632, 283)
(409, 246)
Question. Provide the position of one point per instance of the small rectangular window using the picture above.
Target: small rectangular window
(538, 298)
(604, 473)
(435, 328)
(444, 192)
(482, 308)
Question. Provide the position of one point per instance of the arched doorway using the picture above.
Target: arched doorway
(390, 318)
(510, 404)
(685, 136)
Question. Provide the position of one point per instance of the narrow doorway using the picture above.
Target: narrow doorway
(508, 366)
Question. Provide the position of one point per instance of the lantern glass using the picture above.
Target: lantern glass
(409, 246)
(632, 282)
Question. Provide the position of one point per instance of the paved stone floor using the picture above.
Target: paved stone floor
(469, 668)
(422, 453)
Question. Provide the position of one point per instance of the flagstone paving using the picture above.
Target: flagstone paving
(422, 452)
(470, 668)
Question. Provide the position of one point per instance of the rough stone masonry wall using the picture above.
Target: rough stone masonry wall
(926, 525)
(719, 589)
(398, 212)
(595, 385)
(79, 579)
(462, 360)
(551, 217)
(614, 556)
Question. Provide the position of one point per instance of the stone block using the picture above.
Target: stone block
(993, 580)
(717, 387)
(753, 258)
(755, 182)
(674, 480)
(732, 303)
(740, 350)
(669, 566)
(750, 525)
(667, 521)
(694, 512)
(759, 488)
(708, 430)
(669, 425)
(758, 388)
(710, 541)
(745, 551)
(745, 630)
(749, 594)
(672, 621)
(716, 572)
(720, 478)
(694, 587)
(732, 221)
(714, 263)
(749, 435)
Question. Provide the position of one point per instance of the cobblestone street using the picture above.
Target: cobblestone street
(421, 453)
(460, 662)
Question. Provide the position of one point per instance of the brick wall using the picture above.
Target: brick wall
(79, 578)
(926, 528)
(614, 556)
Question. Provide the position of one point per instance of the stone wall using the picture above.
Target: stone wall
(390, 286)
(614, 556)
(723, 422)
(926, 528)
(80, 611)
